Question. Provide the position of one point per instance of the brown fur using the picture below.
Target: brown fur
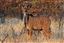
(41, 22)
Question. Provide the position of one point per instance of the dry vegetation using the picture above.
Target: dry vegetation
(49, 23)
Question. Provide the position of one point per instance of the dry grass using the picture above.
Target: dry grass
(6, 28)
